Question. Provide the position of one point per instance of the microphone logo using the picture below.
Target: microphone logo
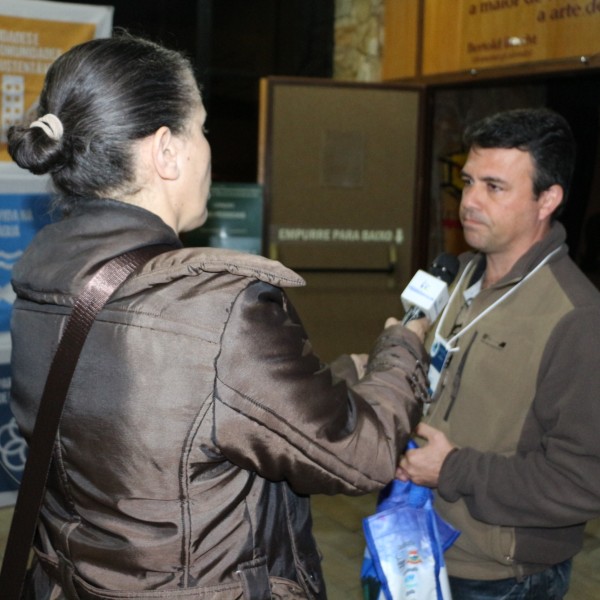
(427, 293)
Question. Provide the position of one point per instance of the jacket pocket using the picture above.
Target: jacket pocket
(254, 576)
(503, 544)
(495, 343)
(284, 589)
(483, 545)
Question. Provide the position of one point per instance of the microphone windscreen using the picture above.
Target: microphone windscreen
(445, 267)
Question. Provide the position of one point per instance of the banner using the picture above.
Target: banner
(32, 35)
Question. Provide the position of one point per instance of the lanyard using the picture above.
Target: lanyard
(452, 341)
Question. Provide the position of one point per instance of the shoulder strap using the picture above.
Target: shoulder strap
(33, 482)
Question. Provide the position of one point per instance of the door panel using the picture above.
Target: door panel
(339, 166)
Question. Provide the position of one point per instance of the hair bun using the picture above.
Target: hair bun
(51, 125)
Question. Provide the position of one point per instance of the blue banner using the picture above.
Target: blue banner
(13, 450)
(21, 217)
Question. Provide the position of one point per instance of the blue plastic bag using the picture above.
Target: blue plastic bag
(406, 540)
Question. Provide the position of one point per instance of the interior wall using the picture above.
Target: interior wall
(359, 40)
(578, 100)
(250, 40)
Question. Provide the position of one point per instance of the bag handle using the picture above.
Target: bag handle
(88, 304)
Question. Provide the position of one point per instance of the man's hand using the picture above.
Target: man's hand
(423, 465)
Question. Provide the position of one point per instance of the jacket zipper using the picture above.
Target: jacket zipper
(457, 378)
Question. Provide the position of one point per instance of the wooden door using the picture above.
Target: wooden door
(339, 166)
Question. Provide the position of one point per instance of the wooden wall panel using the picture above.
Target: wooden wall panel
(401, 42)
(463, 36)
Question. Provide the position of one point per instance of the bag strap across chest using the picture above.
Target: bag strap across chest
(87, 306)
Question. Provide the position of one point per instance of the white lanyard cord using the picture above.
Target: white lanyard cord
(491, 307)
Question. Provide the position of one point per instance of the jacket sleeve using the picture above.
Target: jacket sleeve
(552, 480)
(279, 411)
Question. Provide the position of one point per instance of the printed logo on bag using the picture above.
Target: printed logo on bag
(413, 557)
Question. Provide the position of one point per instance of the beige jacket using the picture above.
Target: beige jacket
(520, 398)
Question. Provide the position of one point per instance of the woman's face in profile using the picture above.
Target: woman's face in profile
(196, 172)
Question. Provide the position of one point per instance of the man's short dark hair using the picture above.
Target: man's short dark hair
(543, 133)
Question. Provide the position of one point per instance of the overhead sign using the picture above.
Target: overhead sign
(471, 35)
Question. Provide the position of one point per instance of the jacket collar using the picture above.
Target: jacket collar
(65, 254)
(555, 238)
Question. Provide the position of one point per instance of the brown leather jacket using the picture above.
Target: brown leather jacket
(199, 420)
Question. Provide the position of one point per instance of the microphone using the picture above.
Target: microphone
(427, 293)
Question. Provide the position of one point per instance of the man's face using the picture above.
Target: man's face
(499, 212)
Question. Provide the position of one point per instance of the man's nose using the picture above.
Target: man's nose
(469, 196)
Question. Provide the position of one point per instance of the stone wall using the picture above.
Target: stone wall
(358, 40)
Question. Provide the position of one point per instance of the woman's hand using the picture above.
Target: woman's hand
(420, 327)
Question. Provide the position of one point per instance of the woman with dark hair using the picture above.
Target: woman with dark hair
(199, 420)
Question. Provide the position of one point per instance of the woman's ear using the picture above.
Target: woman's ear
(164, 153)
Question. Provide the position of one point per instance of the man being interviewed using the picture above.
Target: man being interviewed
(511, 439)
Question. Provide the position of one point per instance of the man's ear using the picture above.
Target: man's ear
(164, 153)
(549, 200)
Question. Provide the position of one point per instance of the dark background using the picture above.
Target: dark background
(233, 43)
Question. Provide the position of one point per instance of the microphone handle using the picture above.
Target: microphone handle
(411, 314)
